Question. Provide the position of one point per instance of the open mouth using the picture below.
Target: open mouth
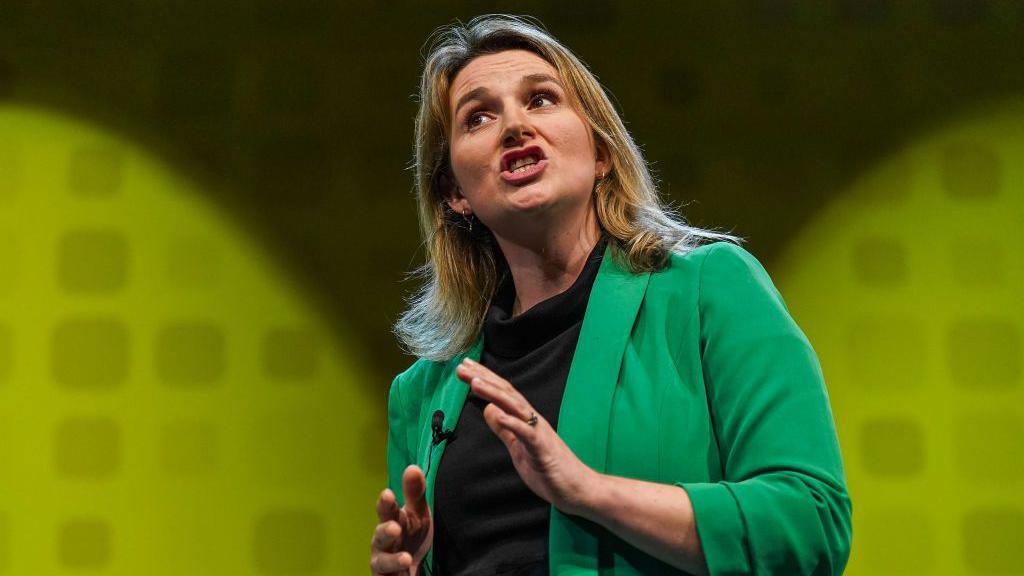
(518, 166)
(521, 159)
(521, 164)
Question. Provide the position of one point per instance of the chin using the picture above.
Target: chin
(530, 200)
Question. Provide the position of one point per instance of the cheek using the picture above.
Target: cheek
(576, 149)
(469, 164)
(573, 139)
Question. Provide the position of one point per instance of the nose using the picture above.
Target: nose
(517, 129)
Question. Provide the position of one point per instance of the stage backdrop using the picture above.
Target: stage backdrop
(206, 222)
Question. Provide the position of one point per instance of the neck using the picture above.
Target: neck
(548, 265)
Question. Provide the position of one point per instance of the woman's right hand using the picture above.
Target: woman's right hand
(404, 535)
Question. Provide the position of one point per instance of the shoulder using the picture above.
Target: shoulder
(719, 272)
(735, 290)
(714, 253)
(410, 386)
(730, 270)
(421, 371)
(678, 285)
(716, 258)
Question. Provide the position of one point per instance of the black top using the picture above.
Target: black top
(487, 521)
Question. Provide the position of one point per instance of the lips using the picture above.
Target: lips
(526, 175)
(508, 159)
(523, 166)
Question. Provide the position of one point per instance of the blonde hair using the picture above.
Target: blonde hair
(464, 265)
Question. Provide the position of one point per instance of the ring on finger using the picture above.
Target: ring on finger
(532, 420)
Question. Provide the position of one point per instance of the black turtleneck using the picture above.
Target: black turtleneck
(487, 521)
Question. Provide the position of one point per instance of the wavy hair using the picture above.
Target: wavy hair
(464, 264)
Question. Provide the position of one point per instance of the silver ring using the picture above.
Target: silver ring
(533, 419)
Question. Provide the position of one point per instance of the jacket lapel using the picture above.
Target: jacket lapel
(449, 397)
(584, 415)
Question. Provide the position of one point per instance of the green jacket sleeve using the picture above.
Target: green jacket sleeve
(782, 505)
(398, 449)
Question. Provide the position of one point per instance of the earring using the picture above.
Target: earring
(465, 214)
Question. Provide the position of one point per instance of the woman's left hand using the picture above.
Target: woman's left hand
(543, 460)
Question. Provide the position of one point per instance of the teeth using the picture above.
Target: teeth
(521, 162)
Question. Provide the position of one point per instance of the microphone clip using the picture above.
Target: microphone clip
(438, 433)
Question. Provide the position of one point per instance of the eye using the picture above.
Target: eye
(541, 97)
(475, 119)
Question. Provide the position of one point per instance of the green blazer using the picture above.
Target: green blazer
(694, 375)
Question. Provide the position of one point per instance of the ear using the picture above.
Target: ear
(602, 158)
(453, 195)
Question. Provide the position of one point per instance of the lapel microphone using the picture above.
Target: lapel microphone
(436, 426)
(438, 435)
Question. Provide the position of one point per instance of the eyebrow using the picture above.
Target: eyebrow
(476, 93)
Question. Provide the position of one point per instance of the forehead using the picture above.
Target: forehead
(493, 70)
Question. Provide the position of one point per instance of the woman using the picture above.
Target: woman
(694, 433)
